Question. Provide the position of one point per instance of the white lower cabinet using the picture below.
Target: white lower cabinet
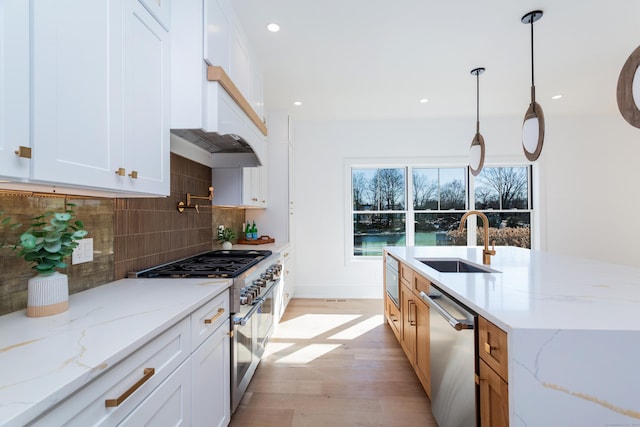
(168, 405)
(115, 394)
(180, 378)
(210, 367)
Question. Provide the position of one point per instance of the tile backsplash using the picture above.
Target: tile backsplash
(128, 234)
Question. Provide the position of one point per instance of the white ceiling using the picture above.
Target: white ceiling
(372, 59)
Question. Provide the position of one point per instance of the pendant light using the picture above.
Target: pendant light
(533, 124)
(476, 151)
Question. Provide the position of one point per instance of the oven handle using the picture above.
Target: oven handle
(457, 324)
(243, 320)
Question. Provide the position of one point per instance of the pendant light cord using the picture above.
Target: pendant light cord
(532, 84)
(478, 101)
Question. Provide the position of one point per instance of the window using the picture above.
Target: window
(379, 215)
(423, 206)
(439, 201)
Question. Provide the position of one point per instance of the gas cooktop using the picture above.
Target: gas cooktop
(214, 264)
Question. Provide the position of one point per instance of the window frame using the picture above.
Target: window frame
(417, 163)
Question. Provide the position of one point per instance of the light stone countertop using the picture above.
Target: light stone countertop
(573, 329)
(43, 360)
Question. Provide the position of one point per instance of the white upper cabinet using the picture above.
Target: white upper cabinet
(217, 27)
(77, 81)
(14, 89)
(100, 96)
(146, 117)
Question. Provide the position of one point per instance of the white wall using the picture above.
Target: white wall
(587, 187)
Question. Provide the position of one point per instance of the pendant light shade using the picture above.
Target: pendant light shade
(533, 124)
(476, 151)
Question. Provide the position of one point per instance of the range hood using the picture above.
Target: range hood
(229, 150)
(225, 125)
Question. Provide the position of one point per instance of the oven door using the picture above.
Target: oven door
(265, 319)
(251, 333)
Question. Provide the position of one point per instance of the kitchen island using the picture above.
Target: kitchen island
(47, 361)
(573, 328)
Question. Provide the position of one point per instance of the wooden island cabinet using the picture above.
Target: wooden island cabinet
(410, 324)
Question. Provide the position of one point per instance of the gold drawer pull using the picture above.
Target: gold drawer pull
(24, 152)
(214, 318)
(133, 175)
(112, 403)
(121, 172)
(487, 347)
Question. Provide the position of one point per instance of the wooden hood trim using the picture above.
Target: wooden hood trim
(217, 74)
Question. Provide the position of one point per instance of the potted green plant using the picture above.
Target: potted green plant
(225, 235)
(50, 239)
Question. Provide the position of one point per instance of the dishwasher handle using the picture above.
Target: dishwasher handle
(457, 324)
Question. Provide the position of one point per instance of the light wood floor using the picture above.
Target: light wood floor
(333, 363)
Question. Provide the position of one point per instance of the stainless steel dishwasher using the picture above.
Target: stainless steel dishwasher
(452, 353)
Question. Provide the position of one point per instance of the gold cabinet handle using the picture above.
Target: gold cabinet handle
(121, 172)
(412, 313)
(214, 318)
(24, 152)
(133, 175)
(487, 347)
(112, 403)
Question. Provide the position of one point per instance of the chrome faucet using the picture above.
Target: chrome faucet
(486, 253)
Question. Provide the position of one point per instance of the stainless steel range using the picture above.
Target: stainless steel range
(255, 274)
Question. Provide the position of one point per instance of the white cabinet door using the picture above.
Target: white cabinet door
(161, 11)
(146, 102)
(210, 364)
(216, 37)
(168, 405)
(77, 107)
(239, 67)
(14, 88)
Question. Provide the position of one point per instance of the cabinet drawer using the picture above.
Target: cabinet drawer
(126, 384)
(420, 284)
(168, 405)
(393, 315)
(406, 274)
(206, 319)
(493, 347)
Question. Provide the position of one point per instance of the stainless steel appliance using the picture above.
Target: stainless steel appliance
(452, 352)
(255, 273)
(392, 280)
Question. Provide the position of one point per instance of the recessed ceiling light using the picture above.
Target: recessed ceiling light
(274, 28)
(556, 97)
(424, 100)
(297, 103)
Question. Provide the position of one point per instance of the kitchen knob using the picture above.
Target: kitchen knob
(133, 175)
(260, 282)
(121, 172)
(243, 299)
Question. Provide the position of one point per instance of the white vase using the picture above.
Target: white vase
(47, 295)
(226, 245)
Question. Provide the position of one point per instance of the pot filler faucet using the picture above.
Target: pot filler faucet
(486, 253)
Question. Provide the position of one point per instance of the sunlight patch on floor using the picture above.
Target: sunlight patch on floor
(307, 354)
(276, 347)
(361, 328)
(310, 326)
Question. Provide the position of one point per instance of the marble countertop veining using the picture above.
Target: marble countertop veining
(43, 360)
(535, 289)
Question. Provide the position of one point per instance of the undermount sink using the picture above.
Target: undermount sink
(449, 265)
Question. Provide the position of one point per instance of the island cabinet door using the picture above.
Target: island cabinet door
(494, 398)
(422, 346)
(409, 323)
